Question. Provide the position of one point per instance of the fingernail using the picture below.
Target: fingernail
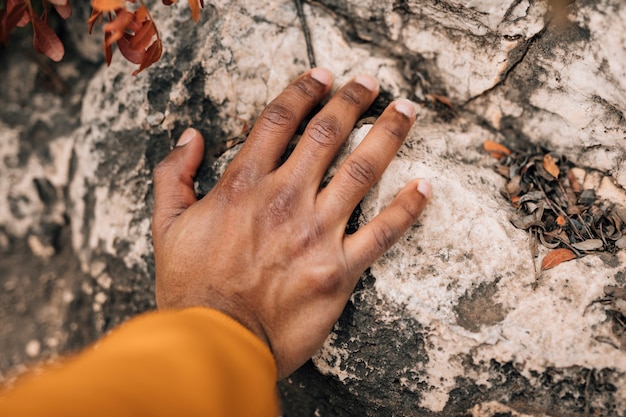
(186, 137)
(425, 188)
(406, 107)
(322, 75)
(368, 82)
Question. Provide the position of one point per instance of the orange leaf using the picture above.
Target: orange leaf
(46, 41)
(108, 5)
(143, 36)
(194, 5)
(555, 257)
(495, 149)
(574, 182)
(560, 220)
(117, 26)
(152, 55)
(141, 14)
(550, 166)
(95, 15)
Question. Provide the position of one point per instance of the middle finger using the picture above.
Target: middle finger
(327, 131)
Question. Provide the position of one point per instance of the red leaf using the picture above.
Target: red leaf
(133, 55)
(153, 54)
(46, 41)
(12, 16)
(555, 257)
(64, 11)
(108, 49)
(143, 36)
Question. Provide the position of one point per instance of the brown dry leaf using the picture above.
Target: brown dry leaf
(194, 5)
(152, 55)
(573, 182)
(589, 244)
(555, 257)
(550, 166)
(443, 100)
(495, 149)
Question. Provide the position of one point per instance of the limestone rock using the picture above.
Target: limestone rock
(454, 320)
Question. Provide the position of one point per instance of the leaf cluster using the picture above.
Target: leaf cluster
(126, 23)
(554, 207)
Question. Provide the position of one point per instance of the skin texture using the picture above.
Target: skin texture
(267, 245)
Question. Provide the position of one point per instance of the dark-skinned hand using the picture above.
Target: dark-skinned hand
(267, 245)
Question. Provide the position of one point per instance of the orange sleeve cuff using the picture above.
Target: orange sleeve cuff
(196, 361)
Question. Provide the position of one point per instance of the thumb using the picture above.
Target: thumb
(173, 180)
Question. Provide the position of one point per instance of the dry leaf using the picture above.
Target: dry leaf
(108, 5)
(589, 244)
(152, 55)
(46, 41)
(117, 26)
(555, 257)
(194, 5)
(550, 166)
(495, 149)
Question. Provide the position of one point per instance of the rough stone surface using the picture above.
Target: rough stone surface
(454, 320)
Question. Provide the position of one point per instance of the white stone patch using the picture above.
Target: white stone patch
(465, 238)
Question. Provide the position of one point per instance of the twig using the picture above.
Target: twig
(307, 34)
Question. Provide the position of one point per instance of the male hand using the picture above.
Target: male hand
(267, 245)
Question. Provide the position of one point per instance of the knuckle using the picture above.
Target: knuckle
(384, 237)
(327, 284)
(234, 183)
(360, 170)
(305, 87)
(277, 115)
(324, 130)
(353, 95)
(410, 211)
(163, 171)
(282, 204)
(395, 131)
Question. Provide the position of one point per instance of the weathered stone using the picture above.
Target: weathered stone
(454, 320)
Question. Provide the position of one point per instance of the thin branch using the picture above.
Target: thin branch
(307, 34)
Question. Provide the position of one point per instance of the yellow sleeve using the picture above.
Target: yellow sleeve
(193, 362)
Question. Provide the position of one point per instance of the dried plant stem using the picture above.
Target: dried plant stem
(307, 34)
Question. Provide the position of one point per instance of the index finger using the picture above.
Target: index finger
(275, 127)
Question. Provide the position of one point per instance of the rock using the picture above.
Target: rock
(33, 348)
(455, 319)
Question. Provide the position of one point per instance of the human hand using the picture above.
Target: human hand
(267, 245)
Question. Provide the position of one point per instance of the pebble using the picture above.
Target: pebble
(33, 347)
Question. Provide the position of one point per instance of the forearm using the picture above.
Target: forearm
(190, 362)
